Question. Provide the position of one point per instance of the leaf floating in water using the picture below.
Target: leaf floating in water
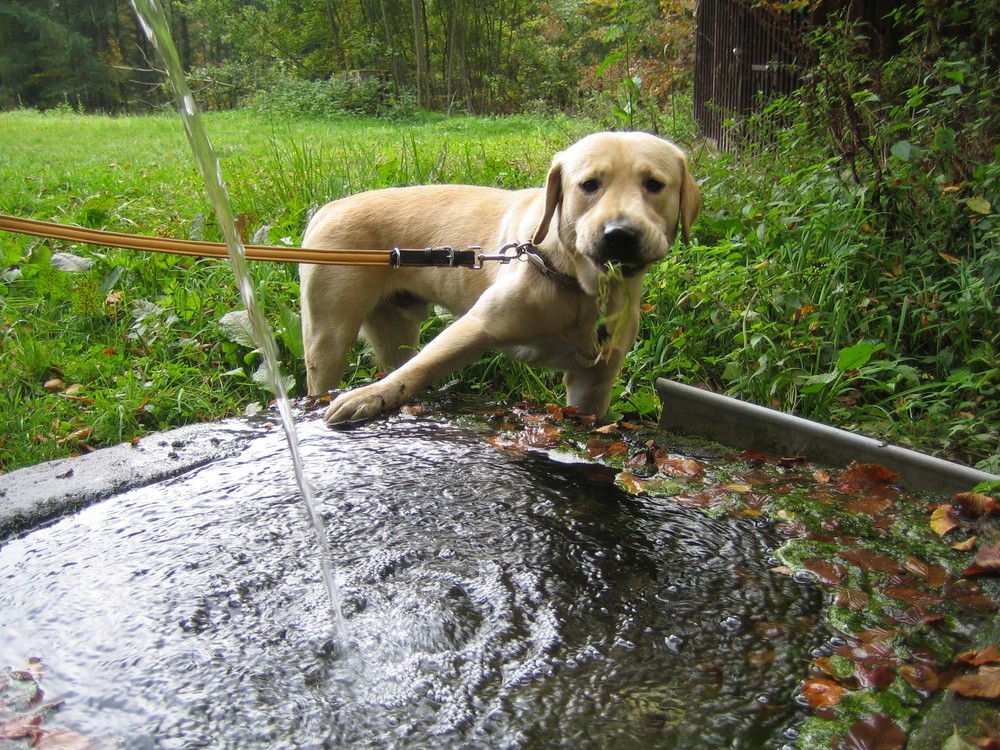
(601, 448)
(966, 545)
(943, 520)
(912, 595)
(828, 572)
(920, 677)
(975, 504)
(867, 474)
(987, 655)
(822, 693)
(873, 733)
(984, 684)
(987, 561)
(63, 739)
(934, 576)
(869, 505)
(852, 599)
(677, 466)
(869, 560)
(630, 483)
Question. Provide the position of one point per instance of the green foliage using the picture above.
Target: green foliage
(336, 97)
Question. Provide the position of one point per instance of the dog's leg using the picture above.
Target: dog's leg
(589, 388)
(332, 314)
(393, 329)
(459, 344)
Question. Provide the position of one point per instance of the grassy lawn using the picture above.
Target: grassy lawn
(790, 295)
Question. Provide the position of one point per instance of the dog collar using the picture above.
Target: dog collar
(540, 263)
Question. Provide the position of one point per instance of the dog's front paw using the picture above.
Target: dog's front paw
(358, 405)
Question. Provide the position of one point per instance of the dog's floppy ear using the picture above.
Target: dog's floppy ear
(690, 201)
(553, 197)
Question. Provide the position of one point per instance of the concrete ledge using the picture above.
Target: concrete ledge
(36, 494)
(742, 425)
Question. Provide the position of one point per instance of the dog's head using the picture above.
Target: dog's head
(618, 198)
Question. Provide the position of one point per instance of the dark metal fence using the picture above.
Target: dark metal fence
(744, 55)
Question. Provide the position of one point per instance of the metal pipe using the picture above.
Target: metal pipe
(742, 425)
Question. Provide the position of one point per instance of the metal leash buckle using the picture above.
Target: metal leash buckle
(507, 253)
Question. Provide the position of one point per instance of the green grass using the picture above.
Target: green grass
(787, 270)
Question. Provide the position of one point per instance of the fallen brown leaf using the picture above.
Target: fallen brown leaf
(983, 684)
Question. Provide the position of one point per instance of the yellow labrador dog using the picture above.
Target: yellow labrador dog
(610, 200)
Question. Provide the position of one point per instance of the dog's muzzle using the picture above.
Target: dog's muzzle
(621, 243)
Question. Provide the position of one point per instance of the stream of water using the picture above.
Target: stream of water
(156, 28)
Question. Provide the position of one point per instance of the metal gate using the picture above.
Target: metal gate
(744, 55)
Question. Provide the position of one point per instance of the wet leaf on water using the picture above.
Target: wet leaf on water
(967, 545)
(867, 474)
(879, 676)
(977, 603)
(828, 572)
(62, 739)
(912, 595)
(630, 483)
(943, 520)
(987, 561)
(869, 561)
(738, 487)
(639, 459)
(920, 677)
(934, 575)
(983, 684)
(753, 458)
(713, 497)
(676, 466)
(975, 503)
(20, 727)
(606, 448)
(822, 693)
(986, 655)
(869, 505)
(873, 733)
(852, 599)
(537, 436)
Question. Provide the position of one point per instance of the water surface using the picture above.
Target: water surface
(490, 601)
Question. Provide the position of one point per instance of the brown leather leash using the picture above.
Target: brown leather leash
(396, 257)
(446, 257)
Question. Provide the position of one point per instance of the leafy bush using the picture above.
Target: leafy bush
(334, 97)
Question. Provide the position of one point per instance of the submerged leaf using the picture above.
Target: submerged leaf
(862, 474)
(920, 677)
(828, 572)
(987, 561)
(987, 655)
(984, 684)
(630, 483)
(677, 466)
(874, 733)
(869, 561)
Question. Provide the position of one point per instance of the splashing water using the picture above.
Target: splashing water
(157, 30)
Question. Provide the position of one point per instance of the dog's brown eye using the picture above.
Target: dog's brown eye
(653, 185)
(590, 186)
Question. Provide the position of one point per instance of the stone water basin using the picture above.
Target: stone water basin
(492, 598)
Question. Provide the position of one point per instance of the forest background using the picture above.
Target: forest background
(846, 265)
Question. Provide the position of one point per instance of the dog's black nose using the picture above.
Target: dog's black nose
(620, 243)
